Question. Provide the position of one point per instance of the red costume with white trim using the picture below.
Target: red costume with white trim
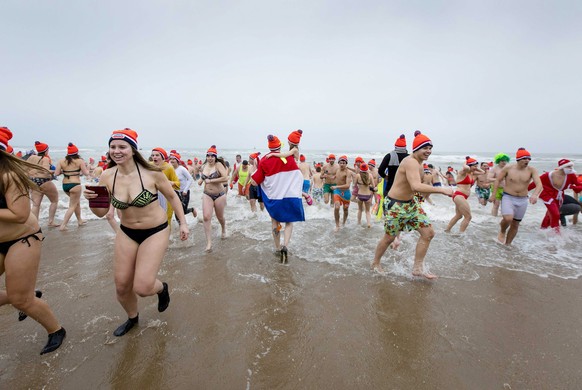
(554, 197)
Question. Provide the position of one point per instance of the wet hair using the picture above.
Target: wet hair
(245, 162)
(15, 170)
(138, 158)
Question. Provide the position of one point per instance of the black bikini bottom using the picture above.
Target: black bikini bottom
(5, 246)
(214, 196)
(140, 235)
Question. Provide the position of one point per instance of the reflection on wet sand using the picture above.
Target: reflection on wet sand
(238, 319)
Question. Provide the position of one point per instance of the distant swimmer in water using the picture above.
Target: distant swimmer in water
(71, 167)
(133, 185)
(403, 212)
(465, 180)
(20, 244)
(43, 179)
(517, 178)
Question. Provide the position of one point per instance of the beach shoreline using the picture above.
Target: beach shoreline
(238, 319)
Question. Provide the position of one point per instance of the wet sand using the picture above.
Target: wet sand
(238, 320)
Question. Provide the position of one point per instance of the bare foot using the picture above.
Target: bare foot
(82, 222)
(501, 238)
(377, 269)
(208, 248)
(62, 228)
(421, 274)
(337, 228)
(369, 226)
(52, 224)
(223, 235)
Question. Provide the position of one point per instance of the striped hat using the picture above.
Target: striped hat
(127, 135)
(161, 151)
(521, 154)
(40, 147)
(471, 161)
(420, 141)
(273, 142)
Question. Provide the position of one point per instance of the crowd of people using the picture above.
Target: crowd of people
(145, 194)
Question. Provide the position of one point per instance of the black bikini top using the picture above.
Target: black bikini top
(213, 175)
(75, 172)
(144, 198)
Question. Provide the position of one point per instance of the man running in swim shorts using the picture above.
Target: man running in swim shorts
(403, 212)
(514, 200)
(328, 176)
(341, 191)
(483, 185)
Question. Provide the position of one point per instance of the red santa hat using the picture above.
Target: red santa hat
(565, 163)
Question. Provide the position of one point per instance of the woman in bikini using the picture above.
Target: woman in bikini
(465, 180)
(43, 179)
(71, 168)
(213, 175)
(20, 244)
(143, 235)
(366, 187)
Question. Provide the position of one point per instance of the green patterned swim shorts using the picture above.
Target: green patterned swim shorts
(403, 216)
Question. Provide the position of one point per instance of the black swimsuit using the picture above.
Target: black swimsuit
(5, 246)
(213, 175)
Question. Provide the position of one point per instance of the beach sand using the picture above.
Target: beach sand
(238, 319)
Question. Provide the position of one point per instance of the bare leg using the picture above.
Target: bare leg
(504, 224)
(21, 267)
(276, 234)
(207, 209)
(367, 206)
(288, 232)
(495, 208)
(426, 236)
(74, 199)
(36, 198)
(219, 206)
(383, 244)
(360, 209)
(336, 216)
(512, 232)
(50, 190)
(346, 209)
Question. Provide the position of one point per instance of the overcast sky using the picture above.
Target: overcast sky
(473, 75)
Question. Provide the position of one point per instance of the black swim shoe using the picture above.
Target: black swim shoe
(284, 255)
(54, 341)
(126, 326)
(163, 298)
(22, 315)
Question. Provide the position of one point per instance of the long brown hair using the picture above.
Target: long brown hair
(71, 158)
(365, 178)
(16, 170)
(139, 159)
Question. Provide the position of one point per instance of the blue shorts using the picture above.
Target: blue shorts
(306, 186)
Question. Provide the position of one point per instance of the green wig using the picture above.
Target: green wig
(500, 157)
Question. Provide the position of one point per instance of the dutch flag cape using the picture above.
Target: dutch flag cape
(280, 183)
